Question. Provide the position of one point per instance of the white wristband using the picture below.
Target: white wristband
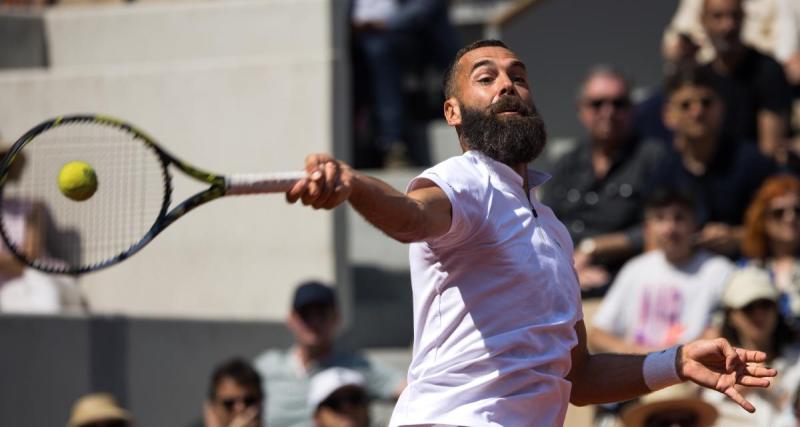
(659, 369)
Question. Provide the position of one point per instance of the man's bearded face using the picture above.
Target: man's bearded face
(511, 139)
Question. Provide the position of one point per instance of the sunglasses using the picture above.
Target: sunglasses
(704, 102)
(760, 305)
(780, 213)
(621, 103)
(338, 401)
(248, 401)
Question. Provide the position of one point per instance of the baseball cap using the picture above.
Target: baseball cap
(313, 292)
(325, 383)
(748, 285)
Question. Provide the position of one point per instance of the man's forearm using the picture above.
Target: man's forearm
(404, 218)
(608, 377)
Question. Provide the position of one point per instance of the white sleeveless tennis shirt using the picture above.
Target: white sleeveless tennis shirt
(495, 305)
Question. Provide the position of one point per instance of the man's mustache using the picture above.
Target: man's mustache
(511, 104)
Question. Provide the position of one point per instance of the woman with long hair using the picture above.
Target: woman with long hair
(772, 239)
(751, 319)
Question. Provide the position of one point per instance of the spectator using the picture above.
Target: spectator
(752, 85)
(751, 319)
(772, 239)
(99, 410)
(676, 406)
(771, 26)
(337, 398)
(597, 189)
(388, 35)
(665, 296)
(23, 289)
(235, 396)
(720, 172)
(313, 321)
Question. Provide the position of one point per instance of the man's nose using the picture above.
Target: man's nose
(506, 85)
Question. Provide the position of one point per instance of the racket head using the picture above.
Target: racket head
(133, 194)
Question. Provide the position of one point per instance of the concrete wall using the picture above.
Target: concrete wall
(222, 85)
(560, 39)
(157, 368)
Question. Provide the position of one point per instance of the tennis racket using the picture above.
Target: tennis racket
(132, 203)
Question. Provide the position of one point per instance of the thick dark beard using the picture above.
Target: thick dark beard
(511, 140)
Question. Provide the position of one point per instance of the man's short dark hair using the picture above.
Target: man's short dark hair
(450, 72)
(690, 75)
(240, 371)
(668, 196)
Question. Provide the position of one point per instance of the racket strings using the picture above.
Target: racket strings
(132, 188)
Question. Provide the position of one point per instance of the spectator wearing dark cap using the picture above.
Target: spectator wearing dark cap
(313, 321)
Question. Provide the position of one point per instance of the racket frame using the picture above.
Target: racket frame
(217, 188)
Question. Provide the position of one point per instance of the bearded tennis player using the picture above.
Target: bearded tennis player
(499, 337)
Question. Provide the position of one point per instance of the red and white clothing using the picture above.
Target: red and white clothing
(656, 304)
(495, 304)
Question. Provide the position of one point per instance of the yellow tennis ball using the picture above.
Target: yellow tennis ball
(77, 180)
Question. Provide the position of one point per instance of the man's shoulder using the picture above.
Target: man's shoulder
(348, 359)
(761, 60)
(579, 153)
(272, 360)
(713, 261)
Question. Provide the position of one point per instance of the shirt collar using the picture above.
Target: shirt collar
(535, 177)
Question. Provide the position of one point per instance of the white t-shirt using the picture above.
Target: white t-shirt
(654, 303)
(495, 304)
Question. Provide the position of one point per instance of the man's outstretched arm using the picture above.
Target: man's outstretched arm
(422, 214)
(714, 364)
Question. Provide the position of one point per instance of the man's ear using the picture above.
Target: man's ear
(452, 112)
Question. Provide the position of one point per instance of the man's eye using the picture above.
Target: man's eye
(519, 79)
(486, 79)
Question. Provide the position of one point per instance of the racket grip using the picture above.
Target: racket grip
(259, 183)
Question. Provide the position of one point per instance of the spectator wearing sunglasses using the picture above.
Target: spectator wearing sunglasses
(720, 172)
(598, 189)
(751, 319)
(314, 321)
(235, 396)
(99, 410)
(337, 398)
(772, 239)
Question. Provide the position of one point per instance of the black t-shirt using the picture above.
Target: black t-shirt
(723, 193)
(757, 84)
(589, 205)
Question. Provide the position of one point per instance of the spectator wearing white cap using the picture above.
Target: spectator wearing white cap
(751, 319)
(99, 410)
(314, 322)
(337, 398)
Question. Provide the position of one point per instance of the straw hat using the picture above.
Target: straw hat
(97, 407)
(680, 397)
